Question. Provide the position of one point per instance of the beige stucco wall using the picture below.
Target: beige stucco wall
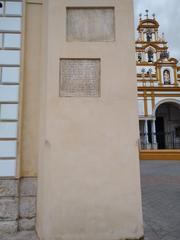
(89, 184)
(31, 87)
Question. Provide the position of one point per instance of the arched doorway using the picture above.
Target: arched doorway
(168, 125)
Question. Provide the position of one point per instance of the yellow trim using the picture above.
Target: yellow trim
(145, 104)
(159, 154)
(160, 77)
(159, 95)
(175, 76)
(153, 101)
(160, 89)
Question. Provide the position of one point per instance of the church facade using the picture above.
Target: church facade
(158, 82)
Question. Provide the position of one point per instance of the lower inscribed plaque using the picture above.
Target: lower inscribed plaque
(79, 77)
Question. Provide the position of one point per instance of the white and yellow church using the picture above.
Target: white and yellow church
(158, 82)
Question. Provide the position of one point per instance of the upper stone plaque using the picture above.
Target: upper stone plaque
(90, 24)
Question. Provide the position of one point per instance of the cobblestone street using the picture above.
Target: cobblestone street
(161, 199)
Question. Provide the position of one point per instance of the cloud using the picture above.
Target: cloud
(168, 15)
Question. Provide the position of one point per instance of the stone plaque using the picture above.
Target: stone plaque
(79, 77)
(90, 24)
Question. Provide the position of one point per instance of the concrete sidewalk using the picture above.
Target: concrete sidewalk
(161, 199)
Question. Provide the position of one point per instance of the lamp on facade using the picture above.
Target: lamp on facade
(150, 73)
(143, 70)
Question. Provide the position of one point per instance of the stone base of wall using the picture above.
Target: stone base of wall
(17, 204)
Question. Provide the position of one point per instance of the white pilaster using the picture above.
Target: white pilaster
(154, 139)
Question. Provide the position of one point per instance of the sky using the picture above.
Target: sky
(168, 15)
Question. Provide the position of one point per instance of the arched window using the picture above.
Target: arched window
(167, 77)
(150, 56)
(149, 36)
(139, 57)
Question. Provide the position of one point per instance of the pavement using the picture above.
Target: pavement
(20, 236)
(161, 199)
(161, 202)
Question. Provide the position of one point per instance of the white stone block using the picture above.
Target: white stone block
(27, 207)
(8, 209)
(28, 187)
(26, 224)
(8, 188)
(8, 227)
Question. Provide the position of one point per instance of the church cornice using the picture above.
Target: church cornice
(170, 62)
(148, 23)
(153, 45)
(140, 75)
(145, 64)
(154, 42)
(173, 88)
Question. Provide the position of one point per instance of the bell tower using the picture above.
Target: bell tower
(152, 52)
(158, 80)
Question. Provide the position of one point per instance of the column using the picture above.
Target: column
(154, 139)
(146, 140)
(156, 36)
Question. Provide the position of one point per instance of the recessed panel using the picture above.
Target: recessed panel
(7, 168)
(10, 24)
(8, 111)
(12, 40)
(0, 40)
(9, 93)
(9, 57)
(80, 77)
(13, 8)
(8, 130)
(2, 9)
(90, 24)
(8, 149)
(10, 74)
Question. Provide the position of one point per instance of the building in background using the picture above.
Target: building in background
(158, 84)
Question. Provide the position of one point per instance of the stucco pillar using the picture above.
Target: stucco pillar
(89, 176)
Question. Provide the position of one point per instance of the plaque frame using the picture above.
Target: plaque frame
(68, 95)
(91, 8)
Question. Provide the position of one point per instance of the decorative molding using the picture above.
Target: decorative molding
(34, 2)
(174, 88)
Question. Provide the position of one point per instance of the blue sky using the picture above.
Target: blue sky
(168, 15)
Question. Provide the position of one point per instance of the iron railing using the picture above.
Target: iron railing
(161, 140)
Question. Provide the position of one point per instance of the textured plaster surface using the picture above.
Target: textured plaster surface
(88, 181)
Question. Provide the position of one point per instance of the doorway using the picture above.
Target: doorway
(160, 133)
